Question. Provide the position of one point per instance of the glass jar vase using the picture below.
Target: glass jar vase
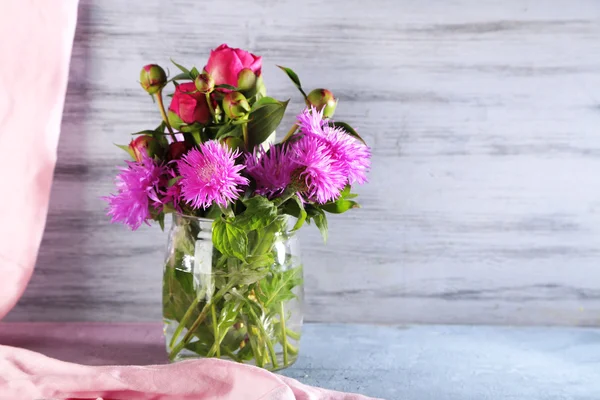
(247, 309)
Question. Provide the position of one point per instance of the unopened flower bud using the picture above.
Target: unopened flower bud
(322, 99)
(234, 143)
(246, 79)
(177, 150)
(152, 78)
(235, 105)
(143, 145)
(204, 83)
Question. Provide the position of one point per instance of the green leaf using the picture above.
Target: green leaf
(126, 148)
(178, 293)
(225, 86)
(320, 219)
(260, 261)
(294, 77)
(161, 221)
(146, 132)
(349, 130)
(229, 130)
(345, 194)
(295, 208)
(263, 122)
(279, 288)
(260, 212)
(173, 181)
(263, 102)
(340, 206)
(182, 68)
(249, 276)
(230, 240)
(194, 73)
(181, 77)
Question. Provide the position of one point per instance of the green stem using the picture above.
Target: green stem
(188, 336)
(210, 106)
(290, 133)
(245, 134)
(254, 346)
(183, 321)
(265, 337)
(215, 329)
(294, 335)
(283, 335)
(163, 113)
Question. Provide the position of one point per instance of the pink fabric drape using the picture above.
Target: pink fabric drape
(36, 41)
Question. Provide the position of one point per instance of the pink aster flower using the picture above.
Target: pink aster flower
(310, 121)
(323, 178)
(210, 175)
(137, 186)
(272, 169)
(353, 157)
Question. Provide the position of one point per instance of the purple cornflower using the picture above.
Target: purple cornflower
(272, 169)
(318, 176)
(137, 185)
(210, 175)
(353, 157)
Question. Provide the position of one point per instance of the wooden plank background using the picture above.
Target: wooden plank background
(483, 116)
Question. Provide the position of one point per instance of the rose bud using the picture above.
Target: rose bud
(143, 145)
(152, 78)
(177, 150)
(188, 106)
(226, 63)
(204, 83)
(322, 99)
(246, 79)
(235, 105)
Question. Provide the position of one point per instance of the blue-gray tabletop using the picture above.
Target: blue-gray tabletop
(389, 362)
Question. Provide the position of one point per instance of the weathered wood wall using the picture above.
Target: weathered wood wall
(483, 116)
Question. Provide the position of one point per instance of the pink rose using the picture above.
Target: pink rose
(189, 105)
(225, 64)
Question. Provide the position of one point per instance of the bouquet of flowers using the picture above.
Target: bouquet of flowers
(232, 272)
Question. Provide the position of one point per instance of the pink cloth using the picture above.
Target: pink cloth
(36, 44)
(28, 375)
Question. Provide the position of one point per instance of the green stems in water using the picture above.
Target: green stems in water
(283, 334)
(215, 330)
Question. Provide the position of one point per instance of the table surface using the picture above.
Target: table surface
(390, 362)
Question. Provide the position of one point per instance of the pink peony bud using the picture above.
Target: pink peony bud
(152, 78)
(225, 64)
(322, 99)
(246, 79)
(188, 106)
(204, 83)
(143, 145)
(235, 105)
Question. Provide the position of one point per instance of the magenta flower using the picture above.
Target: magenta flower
(137, 185)
(353, 157)
(272, 170)
(172, 194)
(321, 179)
(210, 175)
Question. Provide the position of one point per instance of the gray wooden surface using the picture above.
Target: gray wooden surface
(483, 116)
(392, 363)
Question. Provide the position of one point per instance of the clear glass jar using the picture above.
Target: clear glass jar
(249, 311)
